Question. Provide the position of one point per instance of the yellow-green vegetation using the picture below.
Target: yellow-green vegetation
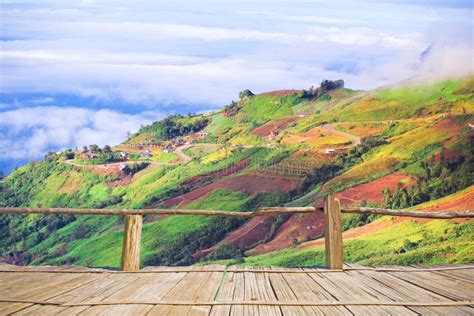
(260, 109)
(161, 156)
(403, 243)
(402, 127)
(200, 150)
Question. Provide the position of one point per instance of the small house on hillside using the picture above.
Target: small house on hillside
(201, 134)
(272, 135)
(329, 151)
(471, 125)
(87, 156)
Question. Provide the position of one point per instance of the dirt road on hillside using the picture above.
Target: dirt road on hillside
(330, 129)
(181, 154)
(114, 164)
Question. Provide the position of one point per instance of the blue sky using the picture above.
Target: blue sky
(74, 73)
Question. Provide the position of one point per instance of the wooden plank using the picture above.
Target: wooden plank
(445, 286)
(260, 288)
(72, 294)
(96, 291)
(134, 288)
(333, 233)
(343, 288)
(400, 290)
(199, 286)
(255, 285)
(131, 243)
(306, 289)
(42, 286)
(10, 308)
(285, 292)
(225, 293)
(461, 275)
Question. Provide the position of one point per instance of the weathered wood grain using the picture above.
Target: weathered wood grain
(131, 243)
(333, 233)
(250, 291)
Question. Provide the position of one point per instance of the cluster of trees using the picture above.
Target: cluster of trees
(103, 156)
(180, 253)
(95, 149)
(174, 126)
(324, 88)
(355, 153)
(232, 109)
(135, 167)
(245, 94)
(225, 251)
(437, 179)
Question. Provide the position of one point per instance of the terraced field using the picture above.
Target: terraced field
(399, 147)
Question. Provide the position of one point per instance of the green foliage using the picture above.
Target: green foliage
(405, 243)
(96, 240)
(245, 94)
(174, 126)
(225, 251)
(261, 108)
(436, 179)
(100, 158)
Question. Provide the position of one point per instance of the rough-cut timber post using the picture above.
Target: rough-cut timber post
(333, 233)
(131, 243)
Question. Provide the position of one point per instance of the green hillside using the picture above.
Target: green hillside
(263, 150)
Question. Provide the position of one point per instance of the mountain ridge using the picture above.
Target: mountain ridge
(275, 148)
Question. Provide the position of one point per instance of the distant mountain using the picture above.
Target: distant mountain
(397, 147)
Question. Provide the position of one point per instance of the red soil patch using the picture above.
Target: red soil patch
(219, 173)
(301, 227)
(249, 182)
(447, 126)
(126, 180)
(279, 93)
(461, 202)
(298, 228)
(273, 126)
(246, 235)
(372, 191)
(448, 154)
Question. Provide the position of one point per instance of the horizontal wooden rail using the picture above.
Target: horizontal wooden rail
(123, 212)
(332, 211)
(265, 211)
(404, 213)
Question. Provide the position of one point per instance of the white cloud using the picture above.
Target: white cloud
(448, 60)
(32, 132)
(318, 19)
(158, 54)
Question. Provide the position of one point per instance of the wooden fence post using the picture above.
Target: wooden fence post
(131, 243)
(333, 233)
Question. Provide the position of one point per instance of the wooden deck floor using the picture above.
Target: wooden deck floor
(443, 290)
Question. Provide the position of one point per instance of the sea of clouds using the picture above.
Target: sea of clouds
(127, 64)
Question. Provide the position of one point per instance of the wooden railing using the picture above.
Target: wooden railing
(130, 260)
